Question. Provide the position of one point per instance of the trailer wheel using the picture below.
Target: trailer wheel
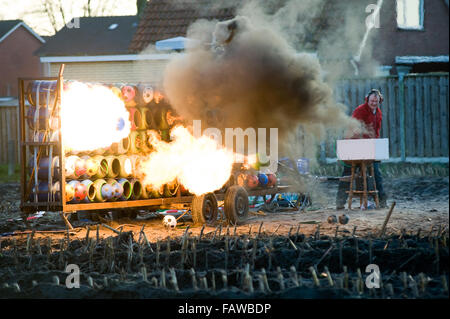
(204, 209)
(236, 205)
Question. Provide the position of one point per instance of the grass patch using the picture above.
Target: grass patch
(390, 169)
(5, 177)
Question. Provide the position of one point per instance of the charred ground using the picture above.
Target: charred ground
(275, 255)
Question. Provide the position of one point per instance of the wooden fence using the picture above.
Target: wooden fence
(415, 114)
(9, 131)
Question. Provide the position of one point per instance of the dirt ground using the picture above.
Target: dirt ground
(421, 203)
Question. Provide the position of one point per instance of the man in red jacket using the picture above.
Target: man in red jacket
(370, 114)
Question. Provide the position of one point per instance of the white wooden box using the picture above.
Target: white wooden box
(363, 149)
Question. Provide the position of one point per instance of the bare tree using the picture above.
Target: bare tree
(59, 12)
(49, 11)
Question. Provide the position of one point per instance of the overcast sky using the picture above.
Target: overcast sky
(28, 11)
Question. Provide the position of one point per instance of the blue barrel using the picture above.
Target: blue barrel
(42, 93)
(43, 167)
(127, 189)
(44, 194)
(38, 119)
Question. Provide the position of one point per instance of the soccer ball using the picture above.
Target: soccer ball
(170, 221)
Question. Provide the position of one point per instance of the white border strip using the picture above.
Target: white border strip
(421, 59)
(26, 27)
(407, 160)
(107, 58)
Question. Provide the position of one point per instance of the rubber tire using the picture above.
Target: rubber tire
(236, 205)
(204, 204)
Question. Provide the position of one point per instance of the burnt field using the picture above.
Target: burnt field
(283, 254)
(222, 264)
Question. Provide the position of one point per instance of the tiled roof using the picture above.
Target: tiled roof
(7, 25)
(163, 19)
(95, 36)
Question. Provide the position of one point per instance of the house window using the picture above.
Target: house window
(410, 14)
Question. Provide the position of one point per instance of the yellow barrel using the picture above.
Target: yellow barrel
(136, 189)
(113, 166)
(126, 187)
(126, 166)
(135, 164)
(103, 190)
(135, 142)
(171, 188)
(146, 118)
(119, 148)
(102, 166)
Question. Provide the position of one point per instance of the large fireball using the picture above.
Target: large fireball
(199, 164)
(92, 117)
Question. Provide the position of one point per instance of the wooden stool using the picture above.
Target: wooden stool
(363, 165)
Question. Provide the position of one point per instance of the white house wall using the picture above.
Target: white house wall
(150, 71)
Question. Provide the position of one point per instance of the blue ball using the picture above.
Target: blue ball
(120, 124)
(107, 191)
(263, 179)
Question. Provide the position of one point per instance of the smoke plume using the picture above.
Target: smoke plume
(250, 76)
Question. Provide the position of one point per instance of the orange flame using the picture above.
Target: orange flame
(92, 117)
(199, 164)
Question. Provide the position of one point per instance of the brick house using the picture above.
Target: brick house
(420, 43)
(17, 45)
(411, 35)
(417, 42)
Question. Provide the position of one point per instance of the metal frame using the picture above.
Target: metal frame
(25, 184)
(61, 205)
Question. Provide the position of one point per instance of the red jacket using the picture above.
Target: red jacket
(371, 121)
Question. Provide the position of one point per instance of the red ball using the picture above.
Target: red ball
(80, 167)
(252, 181)
(272, 180)
(128, 93)
(80, 192)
